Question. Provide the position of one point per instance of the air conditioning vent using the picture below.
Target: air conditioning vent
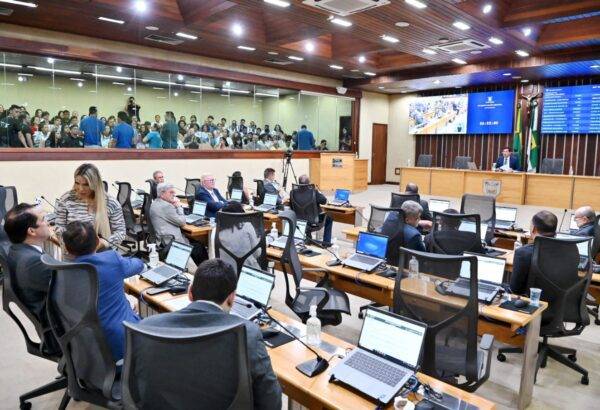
(345, 7)
(460, 46)
(164, 40)
(278, 62)
(5, 12)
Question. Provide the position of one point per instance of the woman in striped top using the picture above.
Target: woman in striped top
(87, 202)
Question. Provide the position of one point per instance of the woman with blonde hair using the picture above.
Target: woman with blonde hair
(88, 202)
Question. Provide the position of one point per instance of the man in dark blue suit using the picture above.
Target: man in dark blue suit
(412, 216)
(585, 217)
(507, 161)
(211, 195)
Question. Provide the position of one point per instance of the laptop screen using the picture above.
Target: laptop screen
(391, 335)
(300, 232)
(581, 246)
(506, 214)
(573, 226)
(236, 195)
(372, 245)
(199, 208)
(438, 205)
(468, 226)
(342, 194)
(270, 199)
(488, 269)
(255, 285)
(178, 255)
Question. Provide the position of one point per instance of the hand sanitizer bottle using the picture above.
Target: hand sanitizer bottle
(274, 233)
(313, 328)
(413, 268)
(153, 257)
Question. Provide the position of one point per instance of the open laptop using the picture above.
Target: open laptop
(236, 195)
(341, 197)
(198, 212)
(299, 234)
(388, 354)
(370, 251)
(269, 203)
(438, 205)
(490, 272)
(583, 247)
(176, 262)
(505, 217)
(253, 292)
(469, 226)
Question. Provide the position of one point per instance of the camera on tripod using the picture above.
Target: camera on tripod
(288, 154)
(287, 165)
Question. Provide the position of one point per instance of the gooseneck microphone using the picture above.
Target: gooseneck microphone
(116, 245)
(562, 220)
(46, 201)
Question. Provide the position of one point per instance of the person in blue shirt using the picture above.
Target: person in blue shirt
(92, 128)
(81, 242)
(123, 133)
(153, 138)
(412, 216)
(306, 139)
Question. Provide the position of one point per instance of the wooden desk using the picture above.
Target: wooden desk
(344, 214)
(316, 392)
(197, 233)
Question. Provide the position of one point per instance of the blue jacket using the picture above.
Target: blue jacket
(306, 140)
(521, 266)
(512, 161)
(113, 307)
(413, 239)
(123, 133)
(212, 206)
(586, 230)
(92, 128)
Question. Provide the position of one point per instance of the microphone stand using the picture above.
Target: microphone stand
(320, 245)
(562, 220)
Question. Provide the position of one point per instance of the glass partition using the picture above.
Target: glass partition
(47, 103)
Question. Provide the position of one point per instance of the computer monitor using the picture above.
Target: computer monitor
(504, 213)
(236, 195)
(489, 269)
(255, 285)
(178, 255)
(438, 205)
(342, 195)
(199, 208)
(468, 226)
(372, 244)
(270, 199)
(299, 233)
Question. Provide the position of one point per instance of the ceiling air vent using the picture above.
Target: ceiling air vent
(164, 40)
(278, 62)
(5, 12)
(345, 7)
(460, 46)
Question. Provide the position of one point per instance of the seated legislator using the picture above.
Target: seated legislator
(27, 228)
(544, 224)
(212, 294)
(426, 221)
(412, 216)
(211, 195)
(158, 177)
(323, 217)
(113, 306)
(585, 217)
(272, 186)
(87, 202)
(507, 162)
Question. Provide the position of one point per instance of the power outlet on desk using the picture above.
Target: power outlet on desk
(396, 171)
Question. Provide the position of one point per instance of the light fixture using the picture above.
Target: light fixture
(266, 95)
(526, 31)
(402, 24)
(28, 75)
(516, 77)
(151, 28)
(381, 87)
(20, 3)
(273, 53)
(522, 53)
(389, 39)
(416, 3)
(370, 74)
(459, 61)
(309, 46)
(340, 22)
(227, 84)
(109, 20)
(157, 88)
(336, 67)
(437, 82)
(118, 69)
(247, 48)
(231, 90)
(506, 74)
(362, 59)
(496, 40)
(10, 65)
(128, 88)
(140, 5)
(80, 84)
(524, 80)
(157, 82)
(20, 79)
(461, 25)
(487, 8)
(279, 3)
(76, 79)
(56, 70)
(296, 58)
(475, 52)
(176, 94)
(179, 77)
(110, 77)
(595, 66)
(237, 29)
(118, 83)
(429, 51)
(185, 35)
(50, 60)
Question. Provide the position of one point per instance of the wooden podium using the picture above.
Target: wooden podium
(339, 170)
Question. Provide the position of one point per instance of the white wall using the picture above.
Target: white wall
(401, 145)
(374, 108)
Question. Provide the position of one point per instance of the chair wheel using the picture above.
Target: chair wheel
(27, 405)
(572, 358)
(585, 380)
(501, 357)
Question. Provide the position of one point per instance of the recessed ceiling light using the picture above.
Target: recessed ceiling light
(176, 94)
(487, 8)
(296, 58)
(237, 29)
(516, 77)
(152, 28)
(381, 87)
(340, 22)
(179, 77)
(522, 53)
(140, 5)
(109, 20)
(50, 60)
(309, 46)
(336, 67)
(416, 3)
(437, 82)
(20, 79)
(370, 74)
(273, 53)
(362, 59)
(476, 52)
(526, 31)
(247, 48)
(524, 80)
(402, 24)
(355, 71)
(506, 74)
(459, 61)
(496, 40)
(389, 39)
(20, 3)
(188, 36)
(128, 88)
(80, 84)
(461, 25)
(118, 69)
(429, 51)
(279, 3)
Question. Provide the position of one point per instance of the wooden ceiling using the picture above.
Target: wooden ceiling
(557, 27)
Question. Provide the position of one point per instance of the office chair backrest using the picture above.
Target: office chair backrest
(554, 269)
(388, 222)
(260, 191)
(424, 160)
(453, 234)
(303, 201)
(596, 241)
(105, 185)
(398, 198)
(462, 162)
(72, 312)
(240, 239)
(191, 185)
(168, 368)
(484, 205)
(451, 321)
(152, 184)
(8, 199)
(552, 166)
(124, 198)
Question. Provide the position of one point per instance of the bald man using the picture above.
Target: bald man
(585, 217)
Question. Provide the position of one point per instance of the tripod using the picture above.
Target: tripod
(287, 166)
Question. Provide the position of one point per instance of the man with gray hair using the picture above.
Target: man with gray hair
(585, 218)
(211, 195)
(412, 216)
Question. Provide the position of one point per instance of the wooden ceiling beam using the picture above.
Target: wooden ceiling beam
(570, 32)
(538, 11)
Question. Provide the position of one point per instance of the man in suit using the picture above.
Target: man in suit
(211, 195)
(585, 217)
(27, 228)
(271, 186)
(157, 178)
(212, 295)
(323, 217)
(426, 218)
(544, 224)
(114, 307)
(507, 162)
(412, 216)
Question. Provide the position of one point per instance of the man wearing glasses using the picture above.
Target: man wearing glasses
(585, 217)
(211, 195)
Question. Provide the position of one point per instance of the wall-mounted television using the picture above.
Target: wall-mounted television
(571, 110)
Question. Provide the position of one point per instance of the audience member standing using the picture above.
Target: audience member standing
(92, 128)
(306, 139)
(132, 108)
(169, 132)
(123, 133)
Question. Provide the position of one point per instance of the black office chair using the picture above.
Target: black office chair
(303, 201)
(552, 166)
(191, 186)
(72, 312)
(236, 182)
(453, 234)
(593, 306)
(330, 302)
(398, 198)
(485, 206)
(8, 199)
(451, 351)
(47, 348)
(105, 185)
(240, 239)
(134, 229)
(152, 185)
(167, 368)
(424, 160)
(260, 192)
(554, 270)
(462, 162)
(596, 240)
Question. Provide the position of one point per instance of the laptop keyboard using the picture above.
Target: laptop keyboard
(165, 270)
(363, 259)
(481, 287)
(377, 369)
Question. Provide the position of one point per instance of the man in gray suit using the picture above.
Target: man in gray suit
(212, 294)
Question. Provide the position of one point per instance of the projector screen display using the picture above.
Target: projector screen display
(491, 112)
(571, 110)
(443, 114)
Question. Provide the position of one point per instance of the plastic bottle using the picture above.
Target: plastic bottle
(313, 328)
(335, 248)
(153, 257)
(413, 268)
(274, 233)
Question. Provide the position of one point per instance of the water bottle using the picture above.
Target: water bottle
(335, 248)
(153, 257)
(313, 328)
(413, 268)
(274, 233)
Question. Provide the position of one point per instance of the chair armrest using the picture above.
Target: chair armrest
(487, 340)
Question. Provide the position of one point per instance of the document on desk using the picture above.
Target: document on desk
(177, 303)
